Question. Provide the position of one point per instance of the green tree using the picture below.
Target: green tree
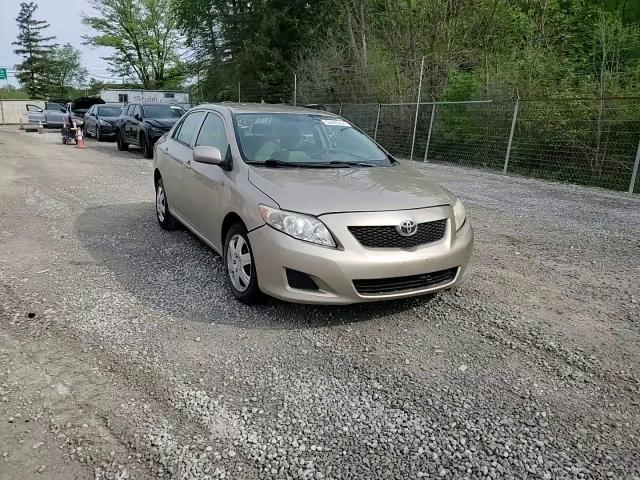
(143, 34)
(35, 50)
(66, 69)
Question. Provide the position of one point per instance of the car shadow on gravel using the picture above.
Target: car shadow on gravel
(110, 148)
(177, 273)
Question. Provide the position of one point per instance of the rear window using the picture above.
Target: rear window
(109, 111)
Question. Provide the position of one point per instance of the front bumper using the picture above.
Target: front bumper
(154, 135)
(334, 270)
(107, 131)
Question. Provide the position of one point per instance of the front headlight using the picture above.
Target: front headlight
(297, 225)
(104, 123)
(459, 214)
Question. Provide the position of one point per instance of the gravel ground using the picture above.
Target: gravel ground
(123, 355)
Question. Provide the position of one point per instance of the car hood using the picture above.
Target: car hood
(359, 189)
(111, 120)
(162, 122)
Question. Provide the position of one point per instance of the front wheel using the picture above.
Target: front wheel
(239, 265)
(98, 134)
(122, 145)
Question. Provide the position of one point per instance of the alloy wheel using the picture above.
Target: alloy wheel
(161, 204)
(239, 263)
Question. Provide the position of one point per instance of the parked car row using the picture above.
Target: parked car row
(139, 124)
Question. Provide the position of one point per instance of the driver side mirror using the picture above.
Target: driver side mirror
(209, 155)
(138, 117)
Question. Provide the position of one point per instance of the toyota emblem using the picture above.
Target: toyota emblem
(407, 228)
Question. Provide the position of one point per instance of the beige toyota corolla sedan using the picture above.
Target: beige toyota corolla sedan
(303, 206)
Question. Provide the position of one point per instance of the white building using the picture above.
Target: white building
(126, 96)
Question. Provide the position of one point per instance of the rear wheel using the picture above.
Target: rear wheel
(165, 219)
(239, 265)
(122, 145)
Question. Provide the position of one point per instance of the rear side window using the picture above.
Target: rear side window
(213, 134)
(189, 127)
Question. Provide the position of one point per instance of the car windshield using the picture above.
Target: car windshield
(112, 111)
(163, 111)
(281, 139)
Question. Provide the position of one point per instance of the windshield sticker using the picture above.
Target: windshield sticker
(335, 122)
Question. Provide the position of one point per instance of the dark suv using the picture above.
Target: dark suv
(142, 124)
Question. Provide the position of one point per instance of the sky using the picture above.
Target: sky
(65, 17)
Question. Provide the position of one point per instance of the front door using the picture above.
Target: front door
(206, 181)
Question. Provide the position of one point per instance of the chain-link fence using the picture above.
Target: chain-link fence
(585, 141)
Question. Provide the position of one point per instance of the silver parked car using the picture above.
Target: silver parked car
(305, 207)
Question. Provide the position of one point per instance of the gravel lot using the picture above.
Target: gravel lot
(123, 355)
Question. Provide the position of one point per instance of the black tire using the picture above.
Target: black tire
(98, 134)
(251, 294)
(147, 148)
(165, 219)
(122, 145)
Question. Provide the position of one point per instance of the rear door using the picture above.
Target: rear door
(179, 153)
(89, 120)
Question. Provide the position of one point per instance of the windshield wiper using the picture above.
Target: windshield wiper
(273, 163)
(351, 164)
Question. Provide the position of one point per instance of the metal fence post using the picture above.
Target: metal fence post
(513, 128)
(340, 111)
(634, 173)
(239, 101)
(433, 114)
(295, 89)
(415, 123)
(375, 131)
(2, 110)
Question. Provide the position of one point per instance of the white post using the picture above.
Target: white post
(295, 89)
(513, 128)
(2, 110)
(415, 123)
(634, 173)
(433, 114)
(375, 132)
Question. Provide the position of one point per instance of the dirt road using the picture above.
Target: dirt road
(123, 355)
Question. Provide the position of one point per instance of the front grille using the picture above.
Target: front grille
(379, 286)
(388, 237)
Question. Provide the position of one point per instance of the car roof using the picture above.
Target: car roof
(264, 108)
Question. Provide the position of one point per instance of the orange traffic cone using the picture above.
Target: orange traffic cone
(80, 141)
